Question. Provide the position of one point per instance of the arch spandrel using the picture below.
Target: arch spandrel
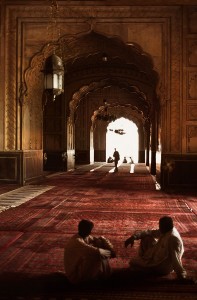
(81, 45)
(126, 111)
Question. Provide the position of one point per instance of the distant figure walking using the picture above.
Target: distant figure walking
(116, 156)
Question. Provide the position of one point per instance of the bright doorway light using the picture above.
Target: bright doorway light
(126, 143)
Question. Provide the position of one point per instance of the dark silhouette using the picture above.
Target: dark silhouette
(86, 257)
(116, 156)
(124, 160)
(160, 250)
(110, 159)
(131, 162)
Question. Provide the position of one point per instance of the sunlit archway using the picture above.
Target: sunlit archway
(122, 135)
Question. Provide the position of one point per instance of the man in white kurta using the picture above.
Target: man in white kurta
(86, 257)
(160, 250)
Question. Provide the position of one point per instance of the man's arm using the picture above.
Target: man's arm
(91, 246)
(130, 241)
(175, 250)
(103, 243)
(139, 235)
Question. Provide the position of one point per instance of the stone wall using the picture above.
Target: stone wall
(168, 34)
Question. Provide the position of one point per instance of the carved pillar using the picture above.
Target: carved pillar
(153, 144)
(141, 152)
(100, 141)
(147, 136)
(70, 143)
(91, 145)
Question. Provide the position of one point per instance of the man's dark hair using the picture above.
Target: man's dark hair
(85, 227)
(165, 224)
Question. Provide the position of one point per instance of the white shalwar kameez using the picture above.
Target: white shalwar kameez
(83, 261)
(161, 256)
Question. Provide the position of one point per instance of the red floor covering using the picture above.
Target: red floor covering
(33, 235)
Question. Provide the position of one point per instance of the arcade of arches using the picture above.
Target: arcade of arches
(148, 77)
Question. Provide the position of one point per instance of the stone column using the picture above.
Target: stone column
(141, 151)
(153, 144)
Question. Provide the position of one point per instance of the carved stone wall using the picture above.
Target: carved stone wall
(1, 89)
(190, 80)
(167, 33)
(26, 27)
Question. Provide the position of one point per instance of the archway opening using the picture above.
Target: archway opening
(122, 134)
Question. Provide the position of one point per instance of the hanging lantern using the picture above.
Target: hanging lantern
(53, 76)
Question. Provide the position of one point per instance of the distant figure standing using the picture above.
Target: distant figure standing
(116, 156)
(131, 162)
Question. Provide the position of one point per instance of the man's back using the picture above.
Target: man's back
(165, 255)
(116, 155)
(78, 257)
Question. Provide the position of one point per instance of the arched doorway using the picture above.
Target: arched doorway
(122, 134)
(127, 80)
(126, 68)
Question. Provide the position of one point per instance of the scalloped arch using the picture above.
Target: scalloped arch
(108, 82)
(127, 111)
(91, 42)
(75, 47)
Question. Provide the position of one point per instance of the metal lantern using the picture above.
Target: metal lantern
(53, 76)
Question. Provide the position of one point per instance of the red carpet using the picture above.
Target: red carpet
(4, 187)
(33, 235)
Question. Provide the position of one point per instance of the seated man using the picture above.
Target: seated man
(110, 159)
(160, 250)
(87, 257)
(124, 160)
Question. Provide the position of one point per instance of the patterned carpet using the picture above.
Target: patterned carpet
(34, 232)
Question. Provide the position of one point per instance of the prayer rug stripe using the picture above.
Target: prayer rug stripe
(21, 195)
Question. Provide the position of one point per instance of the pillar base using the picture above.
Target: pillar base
(21, 167)
(178, 172)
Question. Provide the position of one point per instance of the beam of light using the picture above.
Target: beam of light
(92, 170)
(132, 168)
(113, 169)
